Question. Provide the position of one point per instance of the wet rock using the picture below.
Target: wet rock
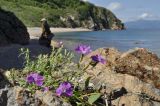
(12, 30)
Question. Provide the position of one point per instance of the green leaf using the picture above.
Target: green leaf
(93, 97)
(87, 82)
(79, 104)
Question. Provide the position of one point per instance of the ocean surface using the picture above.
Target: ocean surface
(122, 40)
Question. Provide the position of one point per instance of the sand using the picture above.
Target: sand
(36, 31)
(9, 55)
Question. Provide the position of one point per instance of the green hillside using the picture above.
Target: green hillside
(62, 13)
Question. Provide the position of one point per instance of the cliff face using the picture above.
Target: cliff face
(97, 18)
(63, 13)
(12, 30)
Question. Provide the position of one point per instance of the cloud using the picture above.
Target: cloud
(146, 16)
(114, 6)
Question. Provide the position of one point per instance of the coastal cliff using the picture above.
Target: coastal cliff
(63, 13)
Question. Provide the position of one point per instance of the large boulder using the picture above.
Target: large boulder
(132, 78)
(138, 62)
(12, 30)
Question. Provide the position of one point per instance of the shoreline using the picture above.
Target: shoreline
(36, 31)
(12, 51)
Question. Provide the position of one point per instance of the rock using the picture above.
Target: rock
(17, 96)
(131, 100)
(56, 44)
(134, 88)
(44, 41)
(12, 52)
(95, 19)
(137, 62)
(117, 27)
(127, 70)
(70, 22)
(12, 30)
(140, 63)
(49, 99)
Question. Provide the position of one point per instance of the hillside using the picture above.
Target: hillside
(63, 13)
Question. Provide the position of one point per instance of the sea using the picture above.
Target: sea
(123, 40)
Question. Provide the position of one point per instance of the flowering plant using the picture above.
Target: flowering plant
(57, 73)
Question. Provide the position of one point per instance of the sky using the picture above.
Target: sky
(131, 10)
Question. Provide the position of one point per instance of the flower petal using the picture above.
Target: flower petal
(98, 58)
(69, 92)
(59, 91)
(35, 78)
(39, 82)
(66, 85)
(83, 49)
(65, 89)
(30, 79)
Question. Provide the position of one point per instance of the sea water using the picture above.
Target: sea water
(122, 40)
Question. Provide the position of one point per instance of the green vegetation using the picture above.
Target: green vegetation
(53, 66)
(56, 73)
(61, 13)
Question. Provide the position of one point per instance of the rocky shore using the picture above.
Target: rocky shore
(132, 78)
(133, 75)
